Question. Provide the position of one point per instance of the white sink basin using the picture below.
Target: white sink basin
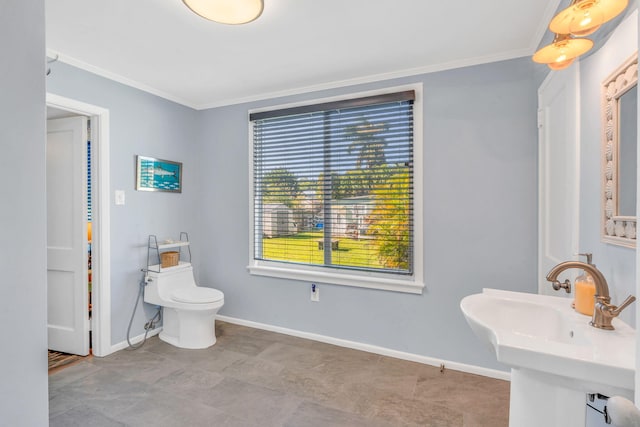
(544, 334)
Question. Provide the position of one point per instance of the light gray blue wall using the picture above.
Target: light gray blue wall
(23, 291)
(480, 215)
(616, 263)
(144, 124)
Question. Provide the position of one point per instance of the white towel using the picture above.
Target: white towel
(623, 412)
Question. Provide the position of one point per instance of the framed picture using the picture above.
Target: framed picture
(158, 175)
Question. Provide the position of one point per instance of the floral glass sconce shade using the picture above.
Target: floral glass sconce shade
(561, 65)
(562, 52)
(581, 18)
(584, 17)
(232, 12)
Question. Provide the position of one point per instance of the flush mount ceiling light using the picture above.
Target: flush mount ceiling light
(584, 17)
(227, 11)
(562, 52)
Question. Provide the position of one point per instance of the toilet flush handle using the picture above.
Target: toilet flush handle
(146, 279)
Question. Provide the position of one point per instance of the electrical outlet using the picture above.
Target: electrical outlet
(315, 293)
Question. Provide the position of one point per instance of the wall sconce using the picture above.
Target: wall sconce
(562, 52)
(232, 12)
(581, 18)
(584, 17)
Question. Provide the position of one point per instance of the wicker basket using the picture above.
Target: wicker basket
(169, 259)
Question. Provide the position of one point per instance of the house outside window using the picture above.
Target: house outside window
(336, 189)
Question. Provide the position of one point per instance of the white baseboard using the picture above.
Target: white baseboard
(471, 369)
(135, 340)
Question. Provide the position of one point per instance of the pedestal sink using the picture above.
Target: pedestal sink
(555, 356)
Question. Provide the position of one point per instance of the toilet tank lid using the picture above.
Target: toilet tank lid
(156, 269)
(197, 295)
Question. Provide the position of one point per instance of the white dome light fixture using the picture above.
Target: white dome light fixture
(232, 12)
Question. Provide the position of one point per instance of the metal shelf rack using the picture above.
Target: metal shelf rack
(153, 245)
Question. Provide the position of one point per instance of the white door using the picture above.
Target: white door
(67, 281)
(559, 173)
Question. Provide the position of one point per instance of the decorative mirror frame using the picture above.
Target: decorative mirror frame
(614, 228)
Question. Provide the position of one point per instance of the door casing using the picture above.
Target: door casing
(101, 246)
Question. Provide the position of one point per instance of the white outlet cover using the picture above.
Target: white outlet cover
(315, 296)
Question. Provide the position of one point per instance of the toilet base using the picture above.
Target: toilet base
(176, 342)
(188, 329)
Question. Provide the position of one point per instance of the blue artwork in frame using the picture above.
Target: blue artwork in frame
(158, 175)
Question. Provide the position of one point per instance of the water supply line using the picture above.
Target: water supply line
(150, 324)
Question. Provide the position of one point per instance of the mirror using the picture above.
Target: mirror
(627, 151)
(619, 154)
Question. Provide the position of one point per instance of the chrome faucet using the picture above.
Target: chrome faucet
(604, 311)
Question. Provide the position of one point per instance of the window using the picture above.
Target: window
(333, 192)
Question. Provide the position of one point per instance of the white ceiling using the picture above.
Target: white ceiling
(296, 45)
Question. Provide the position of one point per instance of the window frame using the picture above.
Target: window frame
(412, 283)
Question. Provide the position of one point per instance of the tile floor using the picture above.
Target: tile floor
(257, 378)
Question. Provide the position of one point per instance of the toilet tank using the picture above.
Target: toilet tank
(161, 284)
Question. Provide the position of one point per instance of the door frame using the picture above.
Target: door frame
(570, 79)
(101, 235)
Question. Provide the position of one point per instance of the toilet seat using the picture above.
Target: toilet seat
(197, 295)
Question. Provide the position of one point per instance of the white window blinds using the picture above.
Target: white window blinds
(333, 184)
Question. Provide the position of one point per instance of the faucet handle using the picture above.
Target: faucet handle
(616, 311)
(566, 285)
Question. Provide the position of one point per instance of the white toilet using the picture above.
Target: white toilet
(189, 310)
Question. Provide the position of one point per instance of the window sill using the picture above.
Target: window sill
(409, 285)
